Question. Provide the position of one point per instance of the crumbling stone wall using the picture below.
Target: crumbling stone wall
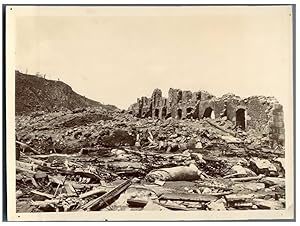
(266, 116)
(277, 124)
(262, 114)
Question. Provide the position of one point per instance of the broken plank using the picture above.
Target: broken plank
(244, 179)
(34, 183)
(49, 196)
(232, 175)
(96, 191)
(26, 146)
(100, 201)
(188, 197)
(20, 169)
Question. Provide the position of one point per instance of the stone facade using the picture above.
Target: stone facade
(263, 114)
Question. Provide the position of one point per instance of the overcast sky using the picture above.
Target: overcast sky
(114, 55)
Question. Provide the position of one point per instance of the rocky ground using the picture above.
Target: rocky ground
(92, 159)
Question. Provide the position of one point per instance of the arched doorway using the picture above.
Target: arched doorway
(156, 113)
(179, 113)
(179, 96)
(224, 114)
(163, 112)
(189, 112)
(208, 112)
(240, 119)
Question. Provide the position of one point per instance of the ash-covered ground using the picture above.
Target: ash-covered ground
(98, 160)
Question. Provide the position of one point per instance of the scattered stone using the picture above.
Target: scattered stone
(281, 161)
(207, 169)
(40, 175)
(206, 191)
(238, 197)
(270, 181)
(19, 194)
(151, 206)
(159, 182)
(77, 134)
(198, 157)
(248, 186)
(268, 204)
(218, 205)
(198, 145)
(231, 139)
(263, 166)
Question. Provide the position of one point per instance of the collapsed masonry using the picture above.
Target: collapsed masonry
(262, 114)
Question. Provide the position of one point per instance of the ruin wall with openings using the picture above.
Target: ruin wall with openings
(259, 113)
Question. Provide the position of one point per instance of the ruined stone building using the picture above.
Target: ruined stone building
(263, 114)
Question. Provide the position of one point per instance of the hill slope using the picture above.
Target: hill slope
(34, 93)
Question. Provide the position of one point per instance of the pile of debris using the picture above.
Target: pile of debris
(118, 162)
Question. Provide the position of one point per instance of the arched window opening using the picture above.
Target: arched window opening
(224, 114)
(189, 112)
(241, 119)
(164, 113)
(156, 113)
(208, 112)
(179, 113)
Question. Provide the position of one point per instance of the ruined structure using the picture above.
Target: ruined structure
(262, 114)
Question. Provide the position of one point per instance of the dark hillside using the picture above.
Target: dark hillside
(35, 93)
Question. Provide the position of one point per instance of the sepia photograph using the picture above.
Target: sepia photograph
(150, 112)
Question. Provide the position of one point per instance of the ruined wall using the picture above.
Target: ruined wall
(264, 115)
(277, 124)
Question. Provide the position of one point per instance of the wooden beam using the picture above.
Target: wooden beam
(48, 196)
(26, 146)
(96, 191)
(243, 179)
(104, 199)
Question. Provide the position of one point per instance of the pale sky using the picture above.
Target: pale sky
(115, 55)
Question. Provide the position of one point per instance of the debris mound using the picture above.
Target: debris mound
(92, 160)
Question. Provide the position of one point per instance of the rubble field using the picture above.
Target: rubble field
(97, 160)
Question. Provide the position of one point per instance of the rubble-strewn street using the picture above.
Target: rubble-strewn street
(92, 159)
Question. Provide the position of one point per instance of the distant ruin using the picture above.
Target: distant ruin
(263, 114)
